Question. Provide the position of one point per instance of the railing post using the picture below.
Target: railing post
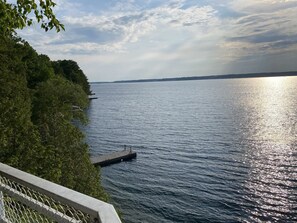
(2, 207)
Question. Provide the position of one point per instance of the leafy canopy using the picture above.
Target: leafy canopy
(40, 100)
(70, 70)
(40, 113)
(20, 14)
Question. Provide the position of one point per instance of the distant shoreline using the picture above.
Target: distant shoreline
(211, 77)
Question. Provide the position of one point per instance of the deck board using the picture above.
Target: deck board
(113, 157)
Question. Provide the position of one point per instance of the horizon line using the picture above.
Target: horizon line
(207, 77)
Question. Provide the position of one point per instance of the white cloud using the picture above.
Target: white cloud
(262, 6)
(129, 39)
(128, 25)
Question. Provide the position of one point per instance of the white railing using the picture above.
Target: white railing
(25, 198)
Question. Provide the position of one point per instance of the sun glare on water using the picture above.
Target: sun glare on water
(272, 108)
(272, 149)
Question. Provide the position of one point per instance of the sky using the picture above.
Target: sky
(140, 39)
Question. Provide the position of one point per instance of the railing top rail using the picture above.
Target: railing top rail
(87, 204)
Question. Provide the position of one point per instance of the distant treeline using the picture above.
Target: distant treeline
(40, 100)
(226, 76)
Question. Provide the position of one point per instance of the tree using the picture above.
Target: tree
(56, 103)
(39, 106)
(72, 72)
(17, 15)
(19, 138)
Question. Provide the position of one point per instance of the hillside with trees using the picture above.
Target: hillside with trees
(39, 101)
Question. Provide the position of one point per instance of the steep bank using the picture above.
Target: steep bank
(39, 100)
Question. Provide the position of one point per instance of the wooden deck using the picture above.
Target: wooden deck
(114, 157)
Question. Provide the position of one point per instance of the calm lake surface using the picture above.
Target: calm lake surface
(208, 151)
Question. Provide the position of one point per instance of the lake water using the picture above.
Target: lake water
(208, 151)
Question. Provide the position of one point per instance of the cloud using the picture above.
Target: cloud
(125, 24)
(262, 6)
(253, 22)
(171, 38)
(265, 28)
(190, 16)
(87, 34)
(263, 37)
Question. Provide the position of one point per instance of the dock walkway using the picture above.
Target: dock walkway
(114, 157)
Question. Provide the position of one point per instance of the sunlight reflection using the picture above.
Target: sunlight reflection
(272, 106)
(271, 152)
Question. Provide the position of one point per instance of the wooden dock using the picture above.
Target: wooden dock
(115, 157)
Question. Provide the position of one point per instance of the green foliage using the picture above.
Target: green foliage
(38, 109)
(19, 139)
(56, 102)
(38, 67)
(61, 99)
(17, 15)
(71, 71)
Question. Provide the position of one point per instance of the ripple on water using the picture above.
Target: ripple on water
(208, 151)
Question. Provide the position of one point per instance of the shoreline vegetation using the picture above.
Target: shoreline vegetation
(210, 77)
(40, 102)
